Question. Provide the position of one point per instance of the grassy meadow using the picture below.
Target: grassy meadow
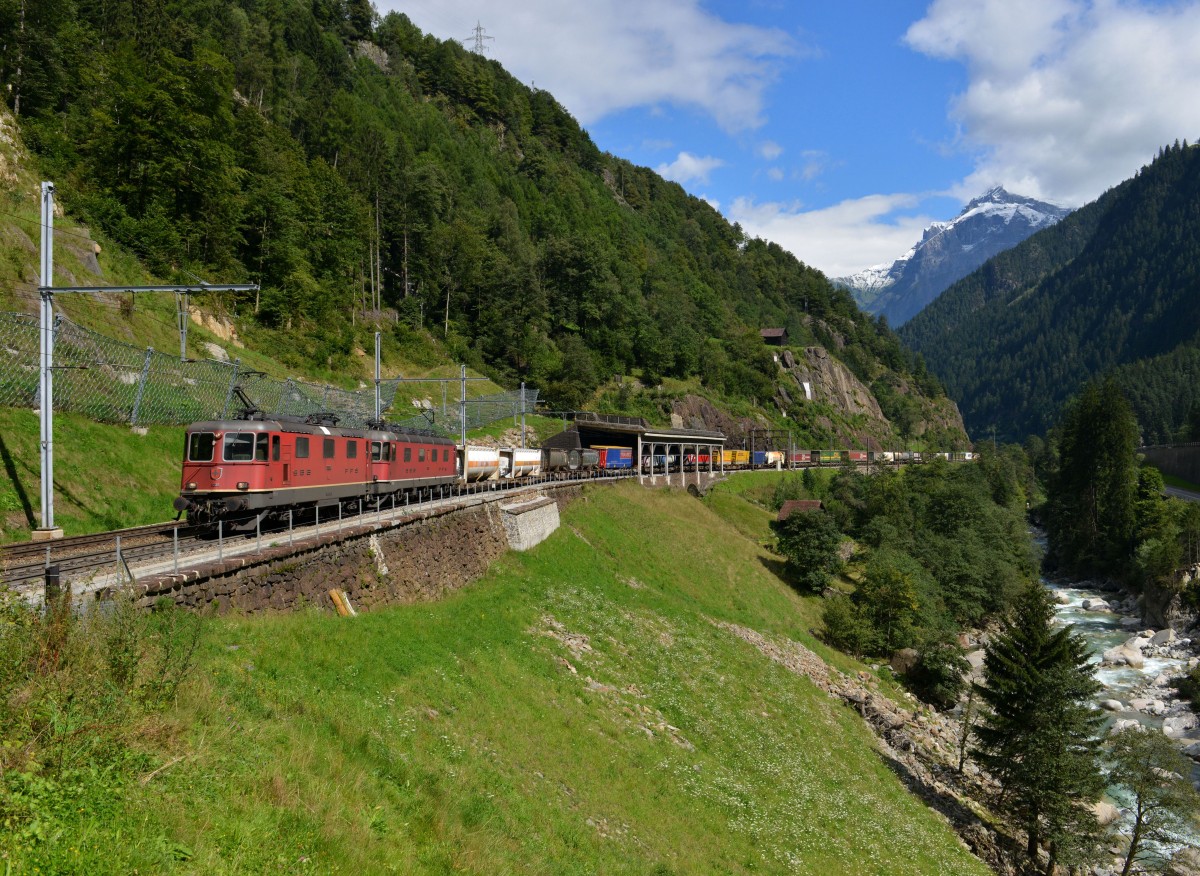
(576, 711)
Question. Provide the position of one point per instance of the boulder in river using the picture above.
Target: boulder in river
(1178, 725)
(1123, 724)
(1112, 705)
(1096, 605)
(1163, 637)
(1123, 655)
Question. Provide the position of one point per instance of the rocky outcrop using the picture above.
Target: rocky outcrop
(820, 377)
(1163, 606)
(697, 412)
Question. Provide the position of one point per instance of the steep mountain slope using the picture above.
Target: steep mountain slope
(948, 251)
(1113, 283)
(366, 173)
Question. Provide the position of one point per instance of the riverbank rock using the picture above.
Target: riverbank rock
(1163, 607)
(1123, 724)
(904, 660)
(1148, 706)
(1193, 750)
(1163, 637)
(1106, 813)
(1185, 862)
(1176, 726)
(1112, 705)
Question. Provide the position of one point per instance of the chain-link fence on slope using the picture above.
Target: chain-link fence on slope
(114, 382)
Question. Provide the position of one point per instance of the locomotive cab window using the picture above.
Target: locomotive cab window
(351, 450)
(408, 454)
(389, 451)
(260, 447)
(376, 451)
(421, 454)
(327, 449)
(238, 447)
(301, 447)
(275, 448)
(200, 446)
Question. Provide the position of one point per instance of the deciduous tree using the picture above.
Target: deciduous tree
(1153, 772)
(809, 541)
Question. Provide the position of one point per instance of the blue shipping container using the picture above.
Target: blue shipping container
(615, 457)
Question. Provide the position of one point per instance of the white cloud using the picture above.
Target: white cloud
(769, 150)
(687, 168)
(816, 163)
(841, 239)
(1067, 97)
(657, 145)
(603, 56)
(775, 174)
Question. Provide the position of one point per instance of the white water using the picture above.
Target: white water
(1103, 630)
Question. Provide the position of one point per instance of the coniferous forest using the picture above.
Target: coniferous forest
(1113, 284)
(351, 164)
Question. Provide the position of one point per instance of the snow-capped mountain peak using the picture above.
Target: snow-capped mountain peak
(995, 221)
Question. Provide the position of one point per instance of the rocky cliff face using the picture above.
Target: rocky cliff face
(820, 377)
(832, 406)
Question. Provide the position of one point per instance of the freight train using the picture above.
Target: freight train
(252, 469)
(243, 470)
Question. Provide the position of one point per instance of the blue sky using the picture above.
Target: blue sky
(842, 129)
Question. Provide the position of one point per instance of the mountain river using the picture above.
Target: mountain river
(1135, 688)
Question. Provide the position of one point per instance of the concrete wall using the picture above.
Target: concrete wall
(414, 562)
(1182, 462)
(529, 523)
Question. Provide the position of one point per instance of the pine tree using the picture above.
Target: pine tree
(1036, 731)
(1093, 492)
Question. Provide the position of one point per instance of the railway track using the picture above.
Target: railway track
(23, 566)
(26, 562)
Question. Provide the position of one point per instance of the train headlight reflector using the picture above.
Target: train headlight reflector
(243, 485)
(190, 485)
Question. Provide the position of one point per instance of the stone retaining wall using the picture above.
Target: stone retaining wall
(413, 562)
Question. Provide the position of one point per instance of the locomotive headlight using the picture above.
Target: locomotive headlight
(190, 485)
(243, 485)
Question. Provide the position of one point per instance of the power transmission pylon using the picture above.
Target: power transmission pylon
(480, 36)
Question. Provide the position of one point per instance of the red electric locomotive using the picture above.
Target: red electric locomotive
(246, 469)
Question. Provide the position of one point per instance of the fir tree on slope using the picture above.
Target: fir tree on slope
(1037, 732)
(1092, 521)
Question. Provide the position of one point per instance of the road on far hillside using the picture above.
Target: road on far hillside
(1180, 493)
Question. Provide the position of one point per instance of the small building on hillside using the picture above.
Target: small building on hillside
(802, 506)
(773, 337)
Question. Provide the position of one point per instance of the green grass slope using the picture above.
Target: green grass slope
(105, 477)
(576, 711)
